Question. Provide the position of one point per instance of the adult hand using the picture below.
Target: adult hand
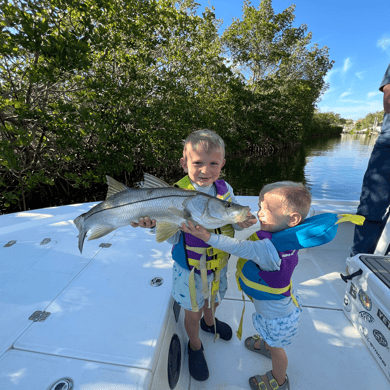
(144, 222)
(250, 220)
(197, 231)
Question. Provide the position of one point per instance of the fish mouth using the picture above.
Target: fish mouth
(243, 215)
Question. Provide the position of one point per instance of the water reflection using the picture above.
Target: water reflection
(331, 168)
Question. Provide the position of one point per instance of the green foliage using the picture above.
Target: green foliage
(284, 78)
(327, 124)
(96, 87)
(371, 120)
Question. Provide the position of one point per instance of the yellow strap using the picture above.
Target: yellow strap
(210, 251)
(210, 264)
(257, 286)
(223, 197)
(239, 330)
(203, 275)
(214, 291)
(356, 219)
(261, 287)
(254, 237)
(192, 288)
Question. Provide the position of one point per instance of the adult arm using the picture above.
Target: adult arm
(386, 98)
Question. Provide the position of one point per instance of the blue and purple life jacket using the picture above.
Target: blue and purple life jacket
(266, 285)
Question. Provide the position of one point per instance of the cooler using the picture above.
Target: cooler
(367, 303)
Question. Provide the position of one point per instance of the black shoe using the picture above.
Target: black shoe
(223, 329)
(197, 364)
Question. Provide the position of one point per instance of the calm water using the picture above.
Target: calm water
(331, 168)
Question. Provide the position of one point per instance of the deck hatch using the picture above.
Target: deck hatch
(39, 316)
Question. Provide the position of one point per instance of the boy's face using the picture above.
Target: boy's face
(203, 166)
(272, 215)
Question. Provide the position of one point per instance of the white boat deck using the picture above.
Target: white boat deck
(108, 328)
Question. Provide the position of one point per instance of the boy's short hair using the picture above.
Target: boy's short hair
(206, 139)
(297, 196)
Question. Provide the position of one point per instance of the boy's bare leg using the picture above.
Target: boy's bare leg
(191, 324)
(279, 364)
(208, 313)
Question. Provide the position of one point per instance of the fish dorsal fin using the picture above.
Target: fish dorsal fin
(164, 230)
(151, 181)
(114, 187)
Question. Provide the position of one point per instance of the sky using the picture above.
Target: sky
(357, 34)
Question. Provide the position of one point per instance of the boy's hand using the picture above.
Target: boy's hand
(144, 222)
(250, 220)
(197, 231)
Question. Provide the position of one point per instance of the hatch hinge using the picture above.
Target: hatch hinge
(39, 316)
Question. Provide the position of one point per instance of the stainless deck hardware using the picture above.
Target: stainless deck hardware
(10, 243)
(39, 316)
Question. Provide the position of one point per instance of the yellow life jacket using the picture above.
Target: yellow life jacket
(201, 257)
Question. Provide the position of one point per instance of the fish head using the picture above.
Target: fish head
(213, 213)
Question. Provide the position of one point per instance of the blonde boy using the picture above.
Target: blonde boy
(203, 159)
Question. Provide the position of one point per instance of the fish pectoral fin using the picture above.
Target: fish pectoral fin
(182, 214)
(164, 230)
(99, 231)
(114, 187)
(151, 181)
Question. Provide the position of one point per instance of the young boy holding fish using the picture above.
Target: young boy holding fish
(199, 271)
(282, 206)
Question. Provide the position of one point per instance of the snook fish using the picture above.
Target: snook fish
(169, 206)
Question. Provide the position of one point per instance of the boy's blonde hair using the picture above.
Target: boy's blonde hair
(206, 139)
(297, 197)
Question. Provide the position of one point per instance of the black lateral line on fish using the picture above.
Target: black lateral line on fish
(138, 201)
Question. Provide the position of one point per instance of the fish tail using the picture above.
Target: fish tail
(79, 222)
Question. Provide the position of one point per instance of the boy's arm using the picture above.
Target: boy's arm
(261, 252)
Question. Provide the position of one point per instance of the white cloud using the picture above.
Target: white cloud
(372, 94)
(330, 74)
(360, 75)
(347, 64)
(384, 42)
(345, 94)
(357, 109)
